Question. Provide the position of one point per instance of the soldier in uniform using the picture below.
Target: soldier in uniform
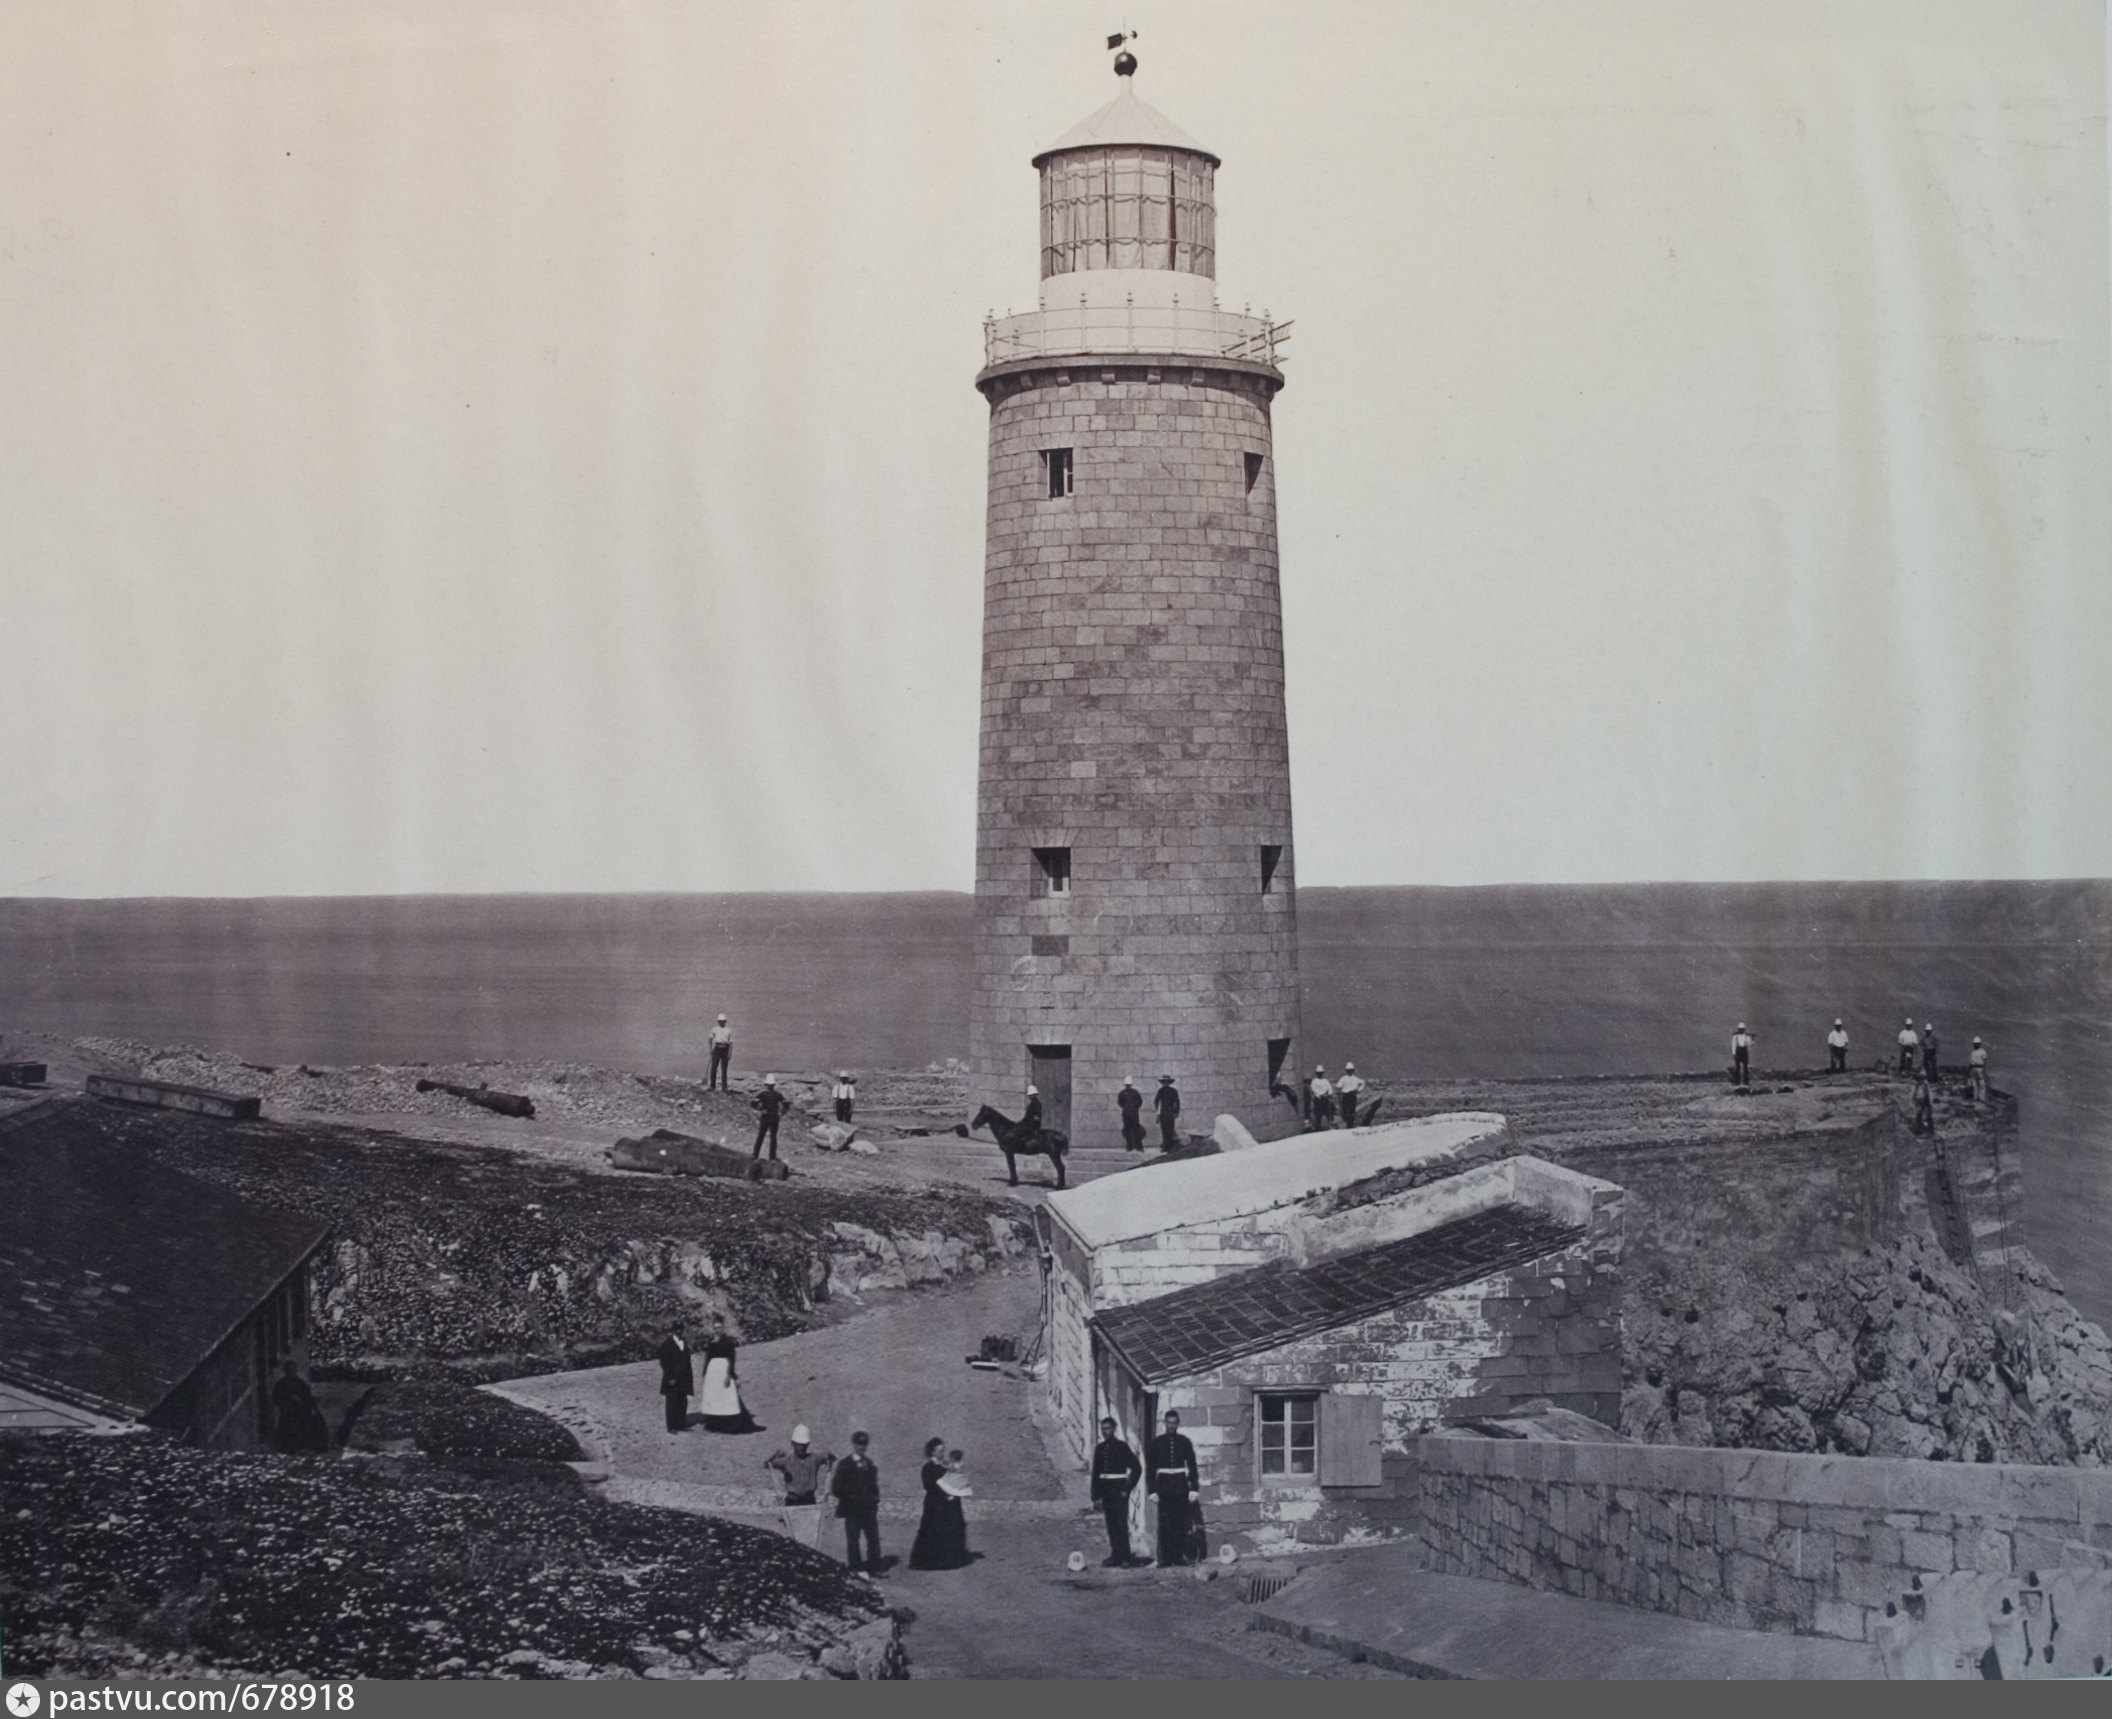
(1131, 1103)
(1174, 1482)
(1115, 1474)
(1031, 1116)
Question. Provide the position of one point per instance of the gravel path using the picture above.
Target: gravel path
(898, 1371)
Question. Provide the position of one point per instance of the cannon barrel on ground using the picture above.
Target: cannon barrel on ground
(505, 1103)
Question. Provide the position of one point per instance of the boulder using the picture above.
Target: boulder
(830, 1136)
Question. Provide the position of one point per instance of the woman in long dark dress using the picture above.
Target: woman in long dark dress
(942, 1535)
(724, 1412)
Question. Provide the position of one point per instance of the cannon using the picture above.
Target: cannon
(505, 1103)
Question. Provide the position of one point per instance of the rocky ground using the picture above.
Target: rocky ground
(134, 1556)
(481, 1259)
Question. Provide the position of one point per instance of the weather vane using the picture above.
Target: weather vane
(1125, 64)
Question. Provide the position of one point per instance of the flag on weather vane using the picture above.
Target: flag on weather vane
(1114, 42)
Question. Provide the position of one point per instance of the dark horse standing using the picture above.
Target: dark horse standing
(1016, 1140)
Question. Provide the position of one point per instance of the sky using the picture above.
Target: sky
(515, 447)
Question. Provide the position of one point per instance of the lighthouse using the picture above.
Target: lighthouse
(1135, 906)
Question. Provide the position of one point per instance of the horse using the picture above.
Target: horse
(1016, 1140)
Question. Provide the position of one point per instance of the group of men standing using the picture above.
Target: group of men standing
(1332, 1103)
(1918, 1054)
(1171, 1476)
(854, 1484)
(1166, 1103)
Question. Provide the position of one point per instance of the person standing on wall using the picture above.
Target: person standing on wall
(1346, 1091)
(1115, 1475)
(1930, 1068)
(1977, 1062)
(1323, 1094)
(721, 1057)
(678, 1380)
(1837, 1048)
(846, 1096)
(856, 1489)
(1131, 1103)
(1175, 1480)
(1741, 1058)
(1167, 1102)
(770, 1106)
(1909, 1043)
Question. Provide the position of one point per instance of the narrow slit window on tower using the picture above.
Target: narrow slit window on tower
(1052, 871)
(1271, 853)
(1253, 471)
(1057, 463)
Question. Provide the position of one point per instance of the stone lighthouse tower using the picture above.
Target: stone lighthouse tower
(1135, 914)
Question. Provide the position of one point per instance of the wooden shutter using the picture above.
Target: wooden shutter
(1352, 1438)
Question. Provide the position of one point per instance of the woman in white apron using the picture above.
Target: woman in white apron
(720, 1397)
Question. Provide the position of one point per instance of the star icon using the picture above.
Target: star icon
(23, 1699)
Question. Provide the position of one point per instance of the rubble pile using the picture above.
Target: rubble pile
(135, 1556)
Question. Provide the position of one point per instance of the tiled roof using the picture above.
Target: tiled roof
(1211, 1323)
(117, 1277)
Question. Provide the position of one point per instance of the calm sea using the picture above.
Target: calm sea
(1408, 982)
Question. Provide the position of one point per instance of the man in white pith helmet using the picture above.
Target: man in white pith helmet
(1741, 1057)
(1032, 1118)
(1909, 1043)
(801, 1469)
(721, 1057)
(1323, 1094)
(1346, 1090)
(1131, 1103)
(845, 1095)
(1837, 1047)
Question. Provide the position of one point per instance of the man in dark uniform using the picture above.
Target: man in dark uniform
(296, 1423)
(770, 1105)
(856, 1489)
(1174, 1481)
(678, 1380)
(1131, 1102)
(1929, 1066)
(1115, 1475)
(1167, 1102)
(1741, 1057)
(1031, 1116)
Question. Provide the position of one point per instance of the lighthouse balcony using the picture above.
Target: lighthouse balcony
(1168, 328)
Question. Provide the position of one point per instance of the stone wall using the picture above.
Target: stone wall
(1133, 714)
(1547, 1330)
(1746, 1539)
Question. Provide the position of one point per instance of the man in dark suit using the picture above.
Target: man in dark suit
(1131, 1103)
(856, 1489)
(1167, 1102)
(678, 1380)
(1115, 1475)
(1174, 1481)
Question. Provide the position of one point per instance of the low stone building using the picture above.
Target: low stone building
(1310, 1305)
(135, 1295)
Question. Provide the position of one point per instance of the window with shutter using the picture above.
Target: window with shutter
(1352, 1440)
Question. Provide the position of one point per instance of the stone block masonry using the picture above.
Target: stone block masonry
(1817, 1545)
(1133, 718)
